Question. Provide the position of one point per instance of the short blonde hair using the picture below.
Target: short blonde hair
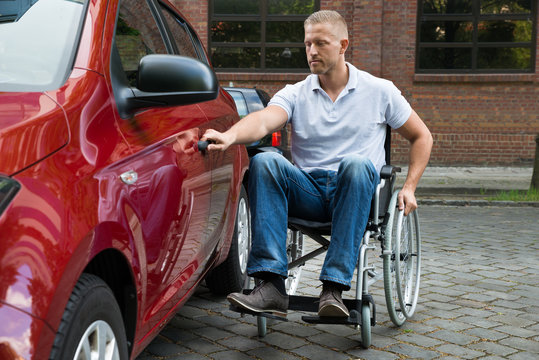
(328, 17)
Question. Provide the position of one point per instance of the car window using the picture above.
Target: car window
(37, 46)
(137, 35)
(241, 104)
(180, 34)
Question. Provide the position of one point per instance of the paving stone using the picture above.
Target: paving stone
(203, 346)
(333, 341)
(459, 351)
(413, 352)
(243, 329)
(493, 348)
(296, 329)
(269, 353)
(511, 320)
(230, 354)
(517, 331)
(453, 337)
(240, 343)
(521, 344)
(187, 356)
(523, 356)
(487, 334)
(372, 354)
(315, 352)
(212, 333)
(165, 349)
(284, 341)
(453, 325)
(419, 340)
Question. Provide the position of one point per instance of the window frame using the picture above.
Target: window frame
(263, 18)
(475, 18)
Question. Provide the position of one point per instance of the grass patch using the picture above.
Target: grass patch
(516, 195)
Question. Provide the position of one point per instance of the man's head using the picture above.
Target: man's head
(332, 18)
(326, 40)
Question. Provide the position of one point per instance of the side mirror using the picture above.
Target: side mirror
(170, 80)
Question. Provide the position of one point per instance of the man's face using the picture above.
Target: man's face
(323, 48)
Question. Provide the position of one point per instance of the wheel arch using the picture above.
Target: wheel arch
(112, 267)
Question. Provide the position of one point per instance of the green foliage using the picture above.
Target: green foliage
(516, 195)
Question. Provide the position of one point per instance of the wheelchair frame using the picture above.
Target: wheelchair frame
(400, 241)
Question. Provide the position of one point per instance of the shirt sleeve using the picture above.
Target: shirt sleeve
(398, 109)
(285, 99)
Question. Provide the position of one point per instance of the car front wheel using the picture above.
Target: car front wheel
(231, 275)
(92, 325)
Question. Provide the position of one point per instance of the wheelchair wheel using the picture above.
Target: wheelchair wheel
(408, 243)
(294, 250)
(365, 326)
(401, 258)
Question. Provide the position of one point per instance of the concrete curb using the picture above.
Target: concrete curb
(464, 202)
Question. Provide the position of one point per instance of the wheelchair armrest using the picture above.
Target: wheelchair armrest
(388, 171)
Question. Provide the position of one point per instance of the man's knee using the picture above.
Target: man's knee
(265, 161)
(356, 166)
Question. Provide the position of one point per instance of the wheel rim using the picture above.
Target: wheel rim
(242, 224)
(98, 342)
(408, 263)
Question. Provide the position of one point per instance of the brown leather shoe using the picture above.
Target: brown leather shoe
(264, 298)
(331, 304)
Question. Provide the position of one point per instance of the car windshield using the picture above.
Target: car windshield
(38, 42)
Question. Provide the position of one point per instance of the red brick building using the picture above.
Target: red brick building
(476, 118)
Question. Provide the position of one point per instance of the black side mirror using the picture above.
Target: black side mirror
(169, 80)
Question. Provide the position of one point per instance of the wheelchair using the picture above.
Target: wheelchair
(400, 244)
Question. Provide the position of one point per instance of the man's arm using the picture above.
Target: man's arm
(251, 128)
(415, 131)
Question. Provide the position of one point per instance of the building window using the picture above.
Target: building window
(476, 36)
(253, 35)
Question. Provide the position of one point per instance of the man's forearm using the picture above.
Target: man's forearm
(419, 157)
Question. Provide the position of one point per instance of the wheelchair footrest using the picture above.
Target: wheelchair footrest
(310, 304)
(254, 313)
(353, 319)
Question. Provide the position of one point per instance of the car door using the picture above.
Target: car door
(172, 178)
(220, 114)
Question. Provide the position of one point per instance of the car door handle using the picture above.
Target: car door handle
(129, 177)
(203, 145)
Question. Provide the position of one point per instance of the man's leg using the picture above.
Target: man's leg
(355, 184)
(274, 183)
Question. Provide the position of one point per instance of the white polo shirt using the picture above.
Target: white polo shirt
(324, 132)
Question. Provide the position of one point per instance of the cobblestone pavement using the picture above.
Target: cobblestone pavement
(479, 299)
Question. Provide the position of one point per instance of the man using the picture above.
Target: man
(338, 116)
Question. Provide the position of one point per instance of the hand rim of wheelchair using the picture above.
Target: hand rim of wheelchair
(392, 261)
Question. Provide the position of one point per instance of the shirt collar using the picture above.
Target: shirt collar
(350, 85)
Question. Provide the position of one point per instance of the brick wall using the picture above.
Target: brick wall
(475, 119)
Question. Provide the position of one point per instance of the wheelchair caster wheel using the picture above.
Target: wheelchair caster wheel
(365, 326)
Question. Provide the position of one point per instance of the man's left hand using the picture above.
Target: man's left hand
(407, 200)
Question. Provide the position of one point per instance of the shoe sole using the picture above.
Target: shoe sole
(332, 310)
(238, 303)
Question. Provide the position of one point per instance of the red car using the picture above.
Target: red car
(110, 214)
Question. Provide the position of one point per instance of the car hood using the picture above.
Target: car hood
(32, 126)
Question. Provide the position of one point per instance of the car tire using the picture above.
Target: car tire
(231, 275)
(91, 325)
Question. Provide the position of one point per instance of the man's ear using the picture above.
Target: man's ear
(344, 46)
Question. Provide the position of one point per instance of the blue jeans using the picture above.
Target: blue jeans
(278, 189)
